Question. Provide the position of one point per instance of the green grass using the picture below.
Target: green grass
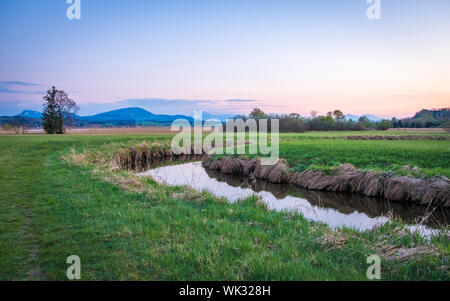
(343, 134)
(51, 208)
(432, 157)
(327, 150)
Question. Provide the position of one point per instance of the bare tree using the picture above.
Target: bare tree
(338, 115)
(16, 124)
(257, 114)
(24, 129)
(7, 127)
(58, 111)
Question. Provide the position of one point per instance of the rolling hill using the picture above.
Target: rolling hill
(122, 117)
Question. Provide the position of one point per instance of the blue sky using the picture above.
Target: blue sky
(172, 56)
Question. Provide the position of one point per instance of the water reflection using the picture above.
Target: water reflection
(334, 209)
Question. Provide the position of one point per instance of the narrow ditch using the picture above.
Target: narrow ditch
(347, 197)
(345, 178)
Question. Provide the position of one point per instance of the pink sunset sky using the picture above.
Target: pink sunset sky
(228, 56)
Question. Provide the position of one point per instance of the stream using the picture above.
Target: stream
(334, 209)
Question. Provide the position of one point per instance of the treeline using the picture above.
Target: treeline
(19, 124)
(336, 121)
(333, 121)
(425, 119)
(293, 123)
(22, 124)
(29, 123)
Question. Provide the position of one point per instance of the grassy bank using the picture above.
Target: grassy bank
(124, 228)
(431, 157)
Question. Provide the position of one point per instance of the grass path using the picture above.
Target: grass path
(19, 168)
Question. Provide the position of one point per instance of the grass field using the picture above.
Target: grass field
(51, 208)
(432, 157)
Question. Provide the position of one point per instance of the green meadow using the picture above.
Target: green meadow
(123, 228)
(430, 156)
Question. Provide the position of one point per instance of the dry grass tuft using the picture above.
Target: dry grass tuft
(81, 158)
(128, 183)
(333, 240)
(398, 253)
(189, 194)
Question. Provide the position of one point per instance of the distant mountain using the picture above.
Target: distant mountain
(373, 118)
(426, 119)
(30, 114)
(136, 114)
(122, 117)
(133, 114)
(355, 118)
(222, 118)
(349, 117)
(139, 116)
(433, 115)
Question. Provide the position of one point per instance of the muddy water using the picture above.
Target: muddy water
(334, 209)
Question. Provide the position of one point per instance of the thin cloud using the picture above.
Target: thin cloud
(18, 87)
(241, 100)
(18, 83)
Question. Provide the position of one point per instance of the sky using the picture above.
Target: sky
(227, 56)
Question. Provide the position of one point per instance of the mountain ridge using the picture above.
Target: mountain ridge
(30, 114)
(139, 114)
(355, 118)
(126, 114)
